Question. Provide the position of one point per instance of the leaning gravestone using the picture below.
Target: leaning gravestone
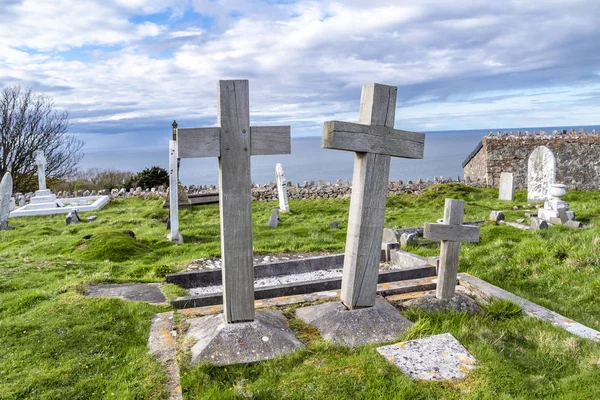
(507, 186)
(541, 173)
(236, 335)
(282, 189)
(6, 188)
(373, 140)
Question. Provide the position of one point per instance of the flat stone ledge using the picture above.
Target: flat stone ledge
(221, 343)
(459, 302)
(338, 325)
(438, 357)
(148, 292)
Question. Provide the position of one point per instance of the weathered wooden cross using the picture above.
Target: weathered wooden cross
(174, 234)
(451, 233)
(233, 142)
(374, 140)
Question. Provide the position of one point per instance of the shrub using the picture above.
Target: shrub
(149, 178)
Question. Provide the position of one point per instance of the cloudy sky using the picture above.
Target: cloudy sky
(124, 69)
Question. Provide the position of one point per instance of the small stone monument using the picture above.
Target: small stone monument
(282, 189)
(274, 219)
(239, 334)
(40, 161)
(43, 197)
(174, 234)
(6, 188)
(555, 209)
(507, 186)
(451, 232)
(373, 140)
(541, 173)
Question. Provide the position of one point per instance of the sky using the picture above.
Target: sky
(125, 69)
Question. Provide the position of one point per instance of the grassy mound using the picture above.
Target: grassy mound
(112, 245)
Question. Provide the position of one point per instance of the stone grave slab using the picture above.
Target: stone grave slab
(507, 186)
(438, 357)
(222, 343)
(541, 173)
(356, 327)
(148, 292)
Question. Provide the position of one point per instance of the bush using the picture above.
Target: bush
(149, 178)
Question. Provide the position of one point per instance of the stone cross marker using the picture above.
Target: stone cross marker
(284, 206)
(541, 173)
(451, 233)
(174, 235)
(507, 186)
(233, 142)
(374, 140)
(6, 188)
(40, 161)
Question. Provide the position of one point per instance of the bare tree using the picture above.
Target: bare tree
(28, 122)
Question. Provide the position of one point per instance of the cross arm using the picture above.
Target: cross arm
(451, 233)
(372, 139)
(267, 140)
(199, 142)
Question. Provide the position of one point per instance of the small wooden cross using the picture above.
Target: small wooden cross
(233, 142)
(451, 233)
(374, 140)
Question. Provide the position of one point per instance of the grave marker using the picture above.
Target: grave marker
(40, 161)
(541, 173)
(507, 186)
(233, 142)
(374, 140)
(6, 188)
(174, 235)
(451, 233)
(282, 189)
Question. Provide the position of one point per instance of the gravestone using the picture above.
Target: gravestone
(373, 140)
(6, 188)
(236, 333)
(507, 186)
(40, 161)
(174, 235)
(541, 173)
(274, 219)
(282, 189)
(451, 232)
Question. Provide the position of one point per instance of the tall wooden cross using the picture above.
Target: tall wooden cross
(374, 140)
(233, 142)
(451, 233)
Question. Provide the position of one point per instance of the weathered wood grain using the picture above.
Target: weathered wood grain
(235, 200)
(367, 205)
(453, 233)
(199, 142)
(268, 140)
(348, 136)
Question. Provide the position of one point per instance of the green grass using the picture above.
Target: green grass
(56, 343)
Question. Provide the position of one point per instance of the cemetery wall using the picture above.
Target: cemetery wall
(577, 158)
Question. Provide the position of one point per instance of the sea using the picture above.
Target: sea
(445, 152)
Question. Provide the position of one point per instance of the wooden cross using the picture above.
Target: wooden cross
(374, 140)
(233, 142)
(451, 233)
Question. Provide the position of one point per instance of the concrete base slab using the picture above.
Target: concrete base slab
(459, 302)
(218, 342)
(81, 204)
(436, 357)
(148, 292)
(338, 325)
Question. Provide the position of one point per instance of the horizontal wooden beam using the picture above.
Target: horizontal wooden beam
(376, 139)
(199, 142)
(451, 233)
(268, 140)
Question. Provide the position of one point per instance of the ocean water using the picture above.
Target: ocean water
(444, 153)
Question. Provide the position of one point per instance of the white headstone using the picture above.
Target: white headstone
(40, 161)
(541, 172)
(6, 188)
(174, 235)
(282, 189)
(507, 186)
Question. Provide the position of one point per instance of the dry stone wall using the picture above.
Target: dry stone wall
(577, 158)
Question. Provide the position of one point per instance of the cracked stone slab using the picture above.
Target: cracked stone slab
(338, 325)
(439, 357)
(222, 343)
(148, 292)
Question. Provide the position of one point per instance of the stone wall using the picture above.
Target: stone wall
(577, 158)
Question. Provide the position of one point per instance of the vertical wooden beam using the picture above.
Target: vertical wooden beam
(174, 236)
(235, 200)
(367, 204)
(449, 252)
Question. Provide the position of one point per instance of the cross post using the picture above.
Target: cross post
(451, 233)
(374, 140)
(233, 141)
(40, 161)
(174, 235)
